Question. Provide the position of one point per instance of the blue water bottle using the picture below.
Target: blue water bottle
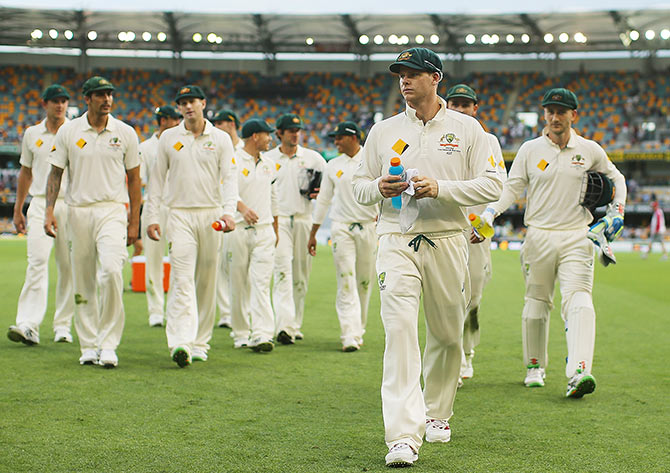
(396, 169)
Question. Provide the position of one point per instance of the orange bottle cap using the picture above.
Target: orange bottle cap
(395, 161)
(472, 217)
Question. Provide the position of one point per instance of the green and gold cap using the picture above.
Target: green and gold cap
(167, 111)
(189, 91)
(95, 84)
(289, 120)
(346, 129)
(462, 90)
(421, 59)
(255, 125)
(226, 115)
(560, 96)
(54, 91)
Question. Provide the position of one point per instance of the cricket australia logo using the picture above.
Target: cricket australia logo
(382, 279)
(449, 143)
(577, 161)
(209, 146)
(114, 143)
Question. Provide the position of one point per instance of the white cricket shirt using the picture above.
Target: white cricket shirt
(288, 168)
(553, 179)
(35, 147)
(255, 186)
(96, 162)
(502, 171)
(200, 171)
(336, 188)
(451, 148)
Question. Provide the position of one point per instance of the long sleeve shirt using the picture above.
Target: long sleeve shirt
(451, 148)
(337, 193)
(554, 178)
(200, 172)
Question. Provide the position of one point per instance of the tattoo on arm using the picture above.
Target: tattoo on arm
(53, 185)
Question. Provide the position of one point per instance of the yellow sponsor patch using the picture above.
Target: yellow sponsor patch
(278, 166)
(502, 164)
(53, 148)
(178, 146)
(233, 160)
(492, 161)
(399, 147)
(542, 165)
(245, 171)
(81, 143)
(339, 173)
(39, 143)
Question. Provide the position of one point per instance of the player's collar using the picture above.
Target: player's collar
(110, 126)
(440, 115)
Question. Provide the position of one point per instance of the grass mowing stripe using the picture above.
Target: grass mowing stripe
(311, 408)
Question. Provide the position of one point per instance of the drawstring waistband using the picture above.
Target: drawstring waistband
(416, 242)
(354, 225)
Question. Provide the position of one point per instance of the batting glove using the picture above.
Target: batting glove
(614, 216)
(488, 216)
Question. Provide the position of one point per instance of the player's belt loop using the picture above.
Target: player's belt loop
(354, 225)
(416, 242)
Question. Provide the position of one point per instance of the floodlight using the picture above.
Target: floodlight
(130, 36)
(53, 34)
(68, 35)
(146, 36)
(665, 34)
(564, 37)
(197, 37)
(419, 39)
(309, 41)
(509, 38)
(470, 39)
(364, 39)
(495, 39)
(211, 38)
(379, 39)
(404, 39)
(92, 35)
(219, 40)
(548, 38)
(161, 37)
(393, 39)
(580, 37)
(122, 36)
(486, 39)
(525, 38)
(634, 35)
(36, 34)
(649, 34)
(434, 39)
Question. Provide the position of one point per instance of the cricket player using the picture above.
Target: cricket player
(292, 262)
(551, 169)
(195, 164)
(167, 117)
(100, 153)
(352, 233)
(423, 248)
(227, 121)
(656, 230)
(37, 142)
(462, 98)
(252, 245)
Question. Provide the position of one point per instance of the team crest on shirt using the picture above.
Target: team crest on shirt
(577, 161)
(449, 143)
(266, 170)
(115, 143)
(381, 279)
(209, 146)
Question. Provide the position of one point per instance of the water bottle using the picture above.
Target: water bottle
(396, 169)
(219, 225)
(483, 228)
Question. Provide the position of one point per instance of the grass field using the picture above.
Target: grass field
(312, 408)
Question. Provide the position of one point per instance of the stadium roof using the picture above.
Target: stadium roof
(357, 33)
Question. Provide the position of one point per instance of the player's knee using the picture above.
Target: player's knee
(536, 309)
(577, 302)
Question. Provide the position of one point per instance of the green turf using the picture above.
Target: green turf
(312, 408)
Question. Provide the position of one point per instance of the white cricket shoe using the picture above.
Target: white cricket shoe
(350, 345)
(401, 455)
(468, 372)
(23, 334)
(88, 357)
(580, 384)
(240, 343)
(534, 377)
(108, 359)
(261, 345)
(226, 321)
(156, 320)
(62, 335)
(198, 354)
(437, 430)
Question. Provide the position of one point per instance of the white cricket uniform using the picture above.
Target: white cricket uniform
(251, 250)
(292, 261)
(98, 222)
(154, 251)
(431, 257)
(479, 265)
(37, 142)
(199, 183)
(556, 246)
(223, 279)
(354, 244)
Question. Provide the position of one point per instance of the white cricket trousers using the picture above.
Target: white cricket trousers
(291, 273)
(153, 269)
(441, 273)
(223, 281)
(194, 249)
(479, 265)
(33, 299)
(98, 252)
(548, 255)
(253, 250)
(354, 252)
